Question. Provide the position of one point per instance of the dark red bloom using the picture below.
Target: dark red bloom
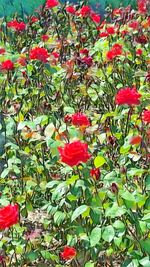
(9, 216)
(128, 96)
(17, 26)
(135, 140)
(2, 51)
(44, 37)
(85, 11)
(39, 53)
(146, 116)
(142, 39)
(84, 51)
(51, 3)
(7, 65)
(114, 188)
(71, 9)
(68, 118)
(80, 119)
(88, 61)
(74, 153)
(68, 253)
(95, 173)
(95, 18)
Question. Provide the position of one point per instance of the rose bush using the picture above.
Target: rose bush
(75, 137)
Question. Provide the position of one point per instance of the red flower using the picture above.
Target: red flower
(44, 37)
(139, 52)
(68, 118)
(88, 61)
(115, 51)
(85, 11)
(74, 153)
(134, 25)
(68, 253)
(142, 8)
(84, 51)
(17, 26)
(128, 96)
(136, 140)
(80, 119)
(146, 116)
(110, 30)
(39, 53)
(103, 34)
(114, 188)
(95, 173)
(51, 3)
(71, 10)
(2, 51)
(34, 19)
(55, 54)
(9, 216)
(7, 65)
(142, 39)
(95, 18)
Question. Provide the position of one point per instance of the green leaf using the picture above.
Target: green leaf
(108, 233)
(146, 245)
(99, 161)
(95, 236)
(146, 218)
(32, 256)
(59, 217)
(145, 262)
(89, 264)
(128, 196)
(115, 211)
(80, 210)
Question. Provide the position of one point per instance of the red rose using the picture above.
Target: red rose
(84, 51)
(44, 37)
(51, 3)
(39, 53)
(110, 30)
(68, 118)
(74, 153)
(96, 18)
(34, 19)
(2, 51)
(17, 26)
(142, 6)
(85, 11)
(9, 216)
(128, 96)
(71, 10)
(134, 25)
(146, 116)
(7, 65)
(68, 253)
(80, 119)
(115, 51)
(114, 188)
(139, 52)
(88, 61)
(104, 34)
(95, 173)
(136, 140)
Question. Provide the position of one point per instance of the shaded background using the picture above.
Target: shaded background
(26, 7)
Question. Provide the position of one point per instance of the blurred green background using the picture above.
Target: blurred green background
(26, 7)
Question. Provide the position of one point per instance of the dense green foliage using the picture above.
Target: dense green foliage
(61, 81)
